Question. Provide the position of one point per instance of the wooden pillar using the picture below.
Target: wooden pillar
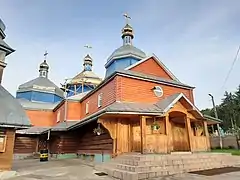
(168, 133)
(143, 134)
(37, 144)
(118, 137)
(130, 136)
(206, 133)
(189, 131)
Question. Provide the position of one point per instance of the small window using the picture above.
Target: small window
(58, 116)
(87, 107)
(158, 91)
(100, 100)
(3, 142)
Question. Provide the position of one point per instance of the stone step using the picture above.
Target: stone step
(150, 166)
(130, 168)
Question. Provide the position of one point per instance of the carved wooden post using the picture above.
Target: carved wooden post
(143, 133)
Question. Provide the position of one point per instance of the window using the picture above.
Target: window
(87, 107)
(100, 100)
(58, 116)
(158, 91)
(3, 142)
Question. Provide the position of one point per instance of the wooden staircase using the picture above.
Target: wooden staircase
(137, 166)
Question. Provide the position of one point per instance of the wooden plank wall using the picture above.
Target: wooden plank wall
(7, 156)
(25, 144)
(69, 142)
(90, 143)
(200, 143)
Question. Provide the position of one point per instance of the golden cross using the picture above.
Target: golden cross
(127, 17)
(45, 55)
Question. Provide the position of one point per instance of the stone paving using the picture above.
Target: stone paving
(74, 169)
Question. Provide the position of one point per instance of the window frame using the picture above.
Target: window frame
(87, 107)
(58, 116)
(4, 143)
(99, 101)
(158, 89)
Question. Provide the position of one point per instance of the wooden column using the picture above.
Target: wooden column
(168, 133)
(130, 136)
(143, 134)
(189, 131)
(206, 133)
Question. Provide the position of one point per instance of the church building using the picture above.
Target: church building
(140, 106)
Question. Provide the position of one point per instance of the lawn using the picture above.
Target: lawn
(232, 151)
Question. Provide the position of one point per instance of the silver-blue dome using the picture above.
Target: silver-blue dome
(127, 50)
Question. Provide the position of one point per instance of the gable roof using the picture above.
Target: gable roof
(157, 60)
(170, 101)
(12, 113)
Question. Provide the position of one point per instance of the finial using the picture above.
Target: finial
(45, 55)
(127, 17)
(88, 47)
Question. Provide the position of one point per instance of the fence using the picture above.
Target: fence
(228, 141)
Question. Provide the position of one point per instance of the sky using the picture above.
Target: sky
(197, 40)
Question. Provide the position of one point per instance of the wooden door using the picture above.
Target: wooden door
(123, 138)
(180, 137)
(136, 137)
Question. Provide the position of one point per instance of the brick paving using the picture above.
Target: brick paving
(74, 169)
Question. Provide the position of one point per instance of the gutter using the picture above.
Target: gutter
(22, 126)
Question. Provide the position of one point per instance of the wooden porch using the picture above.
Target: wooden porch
(179, 130)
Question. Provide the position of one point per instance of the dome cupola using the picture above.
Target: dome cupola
(127, 54)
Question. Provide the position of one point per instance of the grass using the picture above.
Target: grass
(232, 151)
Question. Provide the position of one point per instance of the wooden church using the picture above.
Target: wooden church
(140, 106)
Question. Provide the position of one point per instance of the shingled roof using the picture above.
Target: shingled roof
(12, 113)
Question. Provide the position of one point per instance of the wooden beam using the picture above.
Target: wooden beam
(143, 134)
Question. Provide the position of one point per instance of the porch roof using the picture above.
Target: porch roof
(63, 126)
(33, 130)
(212, 120)
(157, 109)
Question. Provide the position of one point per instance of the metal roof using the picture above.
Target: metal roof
(86, 77)
(154, 78)
(158, 108)
(63, 126)
(33, 130)
(41, 84)
(37, 105)
(125, 51)
(78, 97)
(12, 113)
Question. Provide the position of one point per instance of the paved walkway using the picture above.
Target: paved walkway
(74, 170)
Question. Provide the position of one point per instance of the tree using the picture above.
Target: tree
(228, 110)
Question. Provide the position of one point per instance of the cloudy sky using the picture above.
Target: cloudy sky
(197, 40)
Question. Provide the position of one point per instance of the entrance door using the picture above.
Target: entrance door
(136, 137)
(123, 139)
(180, 137)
